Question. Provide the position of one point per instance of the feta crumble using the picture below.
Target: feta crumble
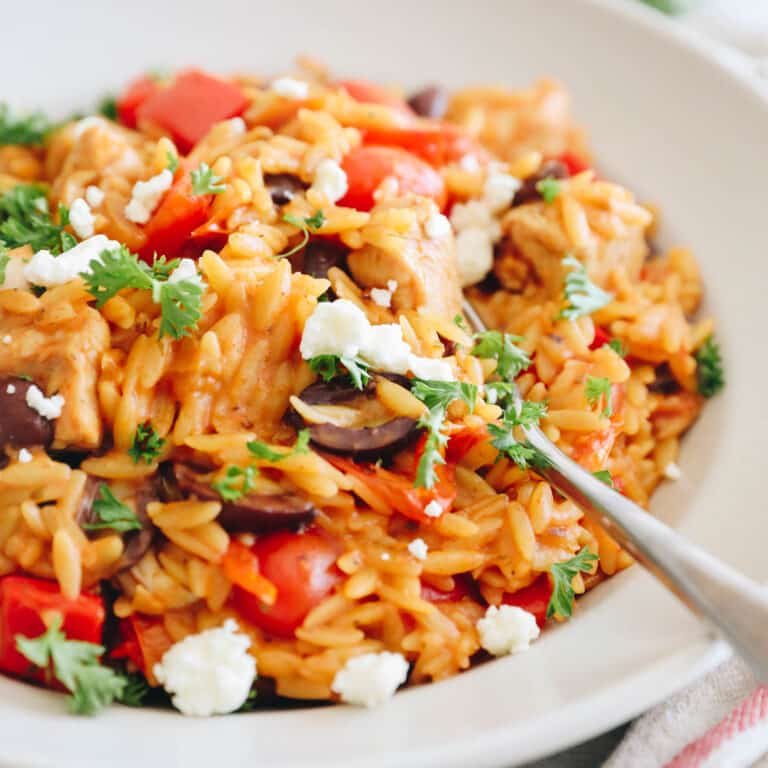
(11, 389)
(474, 255)
(385, 556)
(210, 673)
(25, 456)
(383, 296)
(418, 548)
(237, 126)
(146, 195)
(46, 270)
(370, 679)
(94, 196)
(81, 218)
(507, 629)
(469, 163)
(290, 88)
(330, 180)
(672, 471)
(499, 190)
(433, 509)
(7, 338)
(48, 407)
(437, 226)
(430, 368)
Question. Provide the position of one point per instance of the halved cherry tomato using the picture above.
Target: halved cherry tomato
(463, 441)
(24, 601)
(133, 97)
(370, 93)
(398, 491)
(302, 567)
(602, 337)
(438, 143)
(241, 567)
(153, 640)
(592, 450)
(533, 598)
(366, 167)
(191, 105)
(573, 163)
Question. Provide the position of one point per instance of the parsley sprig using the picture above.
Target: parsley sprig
(110, 513)
(75, 664)
(561, 601)
(548, 188)
(147, 445)
(236, 483)
(437, 396)
(618, 346)
(331, 367)
(180, 300)
(581, 296)
(709, 368)
(604, 476)
(205, 182)
(27, 130)
(306, 225)
(511, 360)
(526, 414)
(263, 451)
(26, 220)
(597, 389)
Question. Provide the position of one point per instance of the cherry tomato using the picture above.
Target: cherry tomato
(463, 441)
(302, 568)
(533, 598)
(366, 167)
(602, 337)
(133, 97)
(370, 93)
(573, 163)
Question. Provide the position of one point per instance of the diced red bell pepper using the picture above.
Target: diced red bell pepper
(573, 163)
(191, 105)
(371, 93)
(23, 603)
(133, 97)
(533, 598)
(602, 337)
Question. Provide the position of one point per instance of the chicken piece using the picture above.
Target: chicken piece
(62, 356)
(397, 248)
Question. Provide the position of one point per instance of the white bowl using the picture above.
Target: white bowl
(667, 120)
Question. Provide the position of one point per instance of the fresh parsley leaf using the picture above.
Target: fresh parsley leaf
(521, 453)
(561, 602)
(4, 259)
(26, 220)
(306, 225)
(135, 691)
(24, 376)
(330, 367)
(22, 130)
(440, 394)
(511, 360)
(618, 347)
(581, 296)
(147, 444)
(173, 161)
(162, 269)
(598, 389)
(458, 321)
(548, 188)
(75, 664)
(113, 271)
(251, 701)
(180, 306)
(709, 368)
(110, 513)
(205, 182)
(604, 476)
(108, 107)
(262, 451)
(236, 483)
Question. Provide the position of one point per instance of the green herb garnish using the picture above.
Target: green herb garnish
(548, 188)
(561, 602)
(147, 444)
(709, 368)
(604, 476)
(306, 225)
(262, 451)
(598, 389)
(205, 182)
(110, 513)
(511, 360)
(28, 130)
(236, 483)
(581, 296)
(330, 367)
(26, 220)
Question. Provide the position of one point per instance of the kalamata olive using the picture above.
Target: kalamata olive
(255, 512)
(528, 193)
(430, 102)
(283, 187)
(21, 425)
(665, 383)
(320, 255)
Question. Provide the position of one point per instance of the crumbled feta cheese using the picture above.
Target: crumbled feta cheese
(11, 389)
(81, 218)
(371, 678)
(25, 456)
(386, 349)
(290, 88)
(433, 509)
(7, 338)
(474, 255)
(14, 274)
(330, 180)
(469, 163)
(385, 556)
(94, 196)
(418, 548)
(437, 226)
(381, 296)
(46, 269)
(237, 126)
(146, 195)
(210, 673)
(430, 368)
(48, 407)
(507, 629)
(672, 471)
(186, 270)
(87, 122)
(499, 190)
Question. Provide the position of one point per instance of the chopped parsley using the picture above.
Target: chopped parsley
(581, 296)
(147, 444)
(437, 396)
(135, 691)
(205, 182)
(306, 225)
(180, 300)
(548, 188)
(173, 161)
(26, 220)
(75, 664)
(527, 415)
(511, 360)
(4, 259)
(459, 322)
(27, 130)
(236, 483)
(618, 347)
(262, 451)
(330, 367)
(561, 602)
(709, 368)
(108, 107)
(110, 513)
(604, 476)
(598, 390)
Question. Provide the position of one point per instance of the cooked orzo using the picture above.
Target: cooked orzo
(253, 453)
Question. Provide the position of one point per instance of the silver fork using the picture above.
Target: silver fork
(732, 603)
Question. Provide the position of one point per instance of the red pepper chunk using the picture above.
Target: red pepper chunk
(24, 602)
(533, 598)
(191, 105)
(133, 97)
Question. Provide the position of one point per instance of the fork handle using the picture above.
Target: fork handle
(734, 604)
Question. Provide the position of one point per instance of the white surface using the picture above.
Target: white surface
(664, 117)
